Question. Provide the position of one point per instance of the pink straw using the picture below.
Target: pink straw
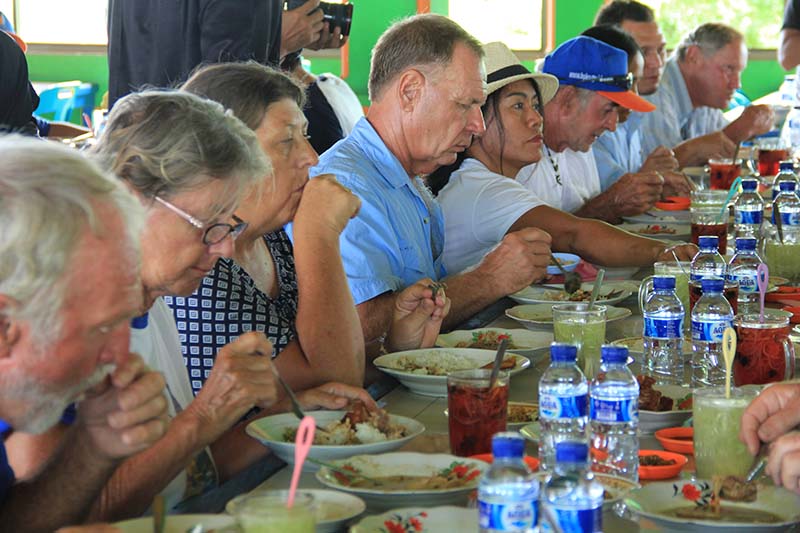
(762, 280)
(302, 443)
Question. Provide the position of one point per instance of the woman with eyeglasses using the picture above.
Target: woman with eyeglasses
(191, 164)
(482, 201)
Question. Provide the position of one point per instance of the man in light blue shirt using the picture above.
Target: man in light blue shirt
(425, 110)
(699, 81)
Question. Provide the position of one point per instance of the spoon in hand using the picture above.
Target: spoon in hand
(572, 281)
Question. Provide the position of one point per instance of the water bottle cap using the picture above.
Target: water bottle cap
(613, 354)
(787, 185)
(508, 444)
(712, 284)
(749, 185)
(571, 452)
(563, 352)
(663, 282)
(708, 241)
(746, 243)
(787, 165)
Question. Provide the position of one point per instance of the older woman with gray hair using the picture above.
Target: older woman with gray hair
(190, 163)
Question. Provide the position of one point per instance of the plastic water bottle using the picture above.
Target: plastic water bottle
(614, 415)
(743, 270)
(790, 133)
(572, 496)
(663, 332)
(708, 262)
(786, 174)
(711, 315)
(563, 403)
(508, 493)
(748, 210)
(788, 203)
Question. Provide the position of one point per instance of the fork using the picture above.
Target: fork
(296, 409)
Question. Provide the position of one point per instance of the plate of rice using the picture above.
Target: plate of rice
(425, 371)
(522, 341)
(339, 440)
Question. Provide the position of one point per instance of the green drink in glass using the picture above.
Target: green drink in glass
(267, 513)
(717, 420)
(575, 323)
(782, 259)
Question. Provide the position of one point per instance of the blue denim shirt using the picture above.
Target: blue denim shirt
(619, 152)
(675, 118)
(6, 473)
(398, 236)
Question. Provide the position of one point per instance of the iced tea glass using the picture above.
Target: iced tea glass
(475, 411)
(708, 216)
(769, 160)
(722, 173)
(717, 419)
(575, 323)
(764, 353)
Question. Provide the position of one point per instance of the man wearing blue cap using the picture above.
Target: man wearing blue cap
(594, 82)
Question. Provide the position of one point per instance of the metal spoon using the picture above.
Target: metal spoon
(296, 409)
(572, 281)
(776, 214)
(597, 284)
(498, 358)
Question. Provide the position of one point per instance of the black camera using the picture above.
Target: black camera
(336, 15)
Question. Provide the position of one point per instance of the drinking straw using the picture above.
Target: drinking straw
(762, 280)
(731, 192)
(728, 351)
(302, 443)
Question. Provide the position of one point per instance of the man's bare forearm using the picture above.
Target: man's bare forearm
(67, 487)
(601, 207)
(469, 292)
(376, 316)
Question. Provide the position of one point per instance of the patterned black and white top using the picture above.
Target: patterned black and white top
(228, 303)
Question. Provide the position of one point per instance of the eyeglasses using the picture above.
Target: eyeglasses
(623, 82)
(214, 233)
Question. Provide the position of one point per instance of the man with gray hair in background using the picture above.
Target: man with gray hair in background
(698, 83)
(426, 85)
(69, 284)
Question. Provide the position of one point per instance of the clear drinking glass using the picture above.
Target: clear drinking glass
(764, 353)
(717, 448)
(475, 412)
(575, 323)
(266, 512)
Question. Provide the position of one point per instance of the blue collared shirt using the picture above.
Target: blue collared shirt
(619, 152)
(675, 118)
(6, 473)
(398, 236)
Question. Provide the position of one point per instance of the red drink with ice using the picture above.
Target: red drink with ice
(769, 161)
(722, 173)
(475, 411)
(764, 353)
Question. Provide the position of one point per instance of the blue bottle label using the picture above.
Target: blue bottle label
(576, 521)
(553, 406)
(747, 282)
(663, 328)
(748, 217)
(788, 219)
(510, 516)
(626, 410)
(709, 331)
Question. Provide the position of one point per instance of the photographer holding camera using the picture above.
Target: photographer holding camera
(158, 43)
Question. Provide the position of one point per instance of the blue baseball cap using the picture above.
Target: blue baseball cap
(590, 64)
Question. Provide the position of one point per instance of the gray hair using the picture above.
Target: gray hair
(164, 143)
(710, 38)
(418, 41)
(49, 197)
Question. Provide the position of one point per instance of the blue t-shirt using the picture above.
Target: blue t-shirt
(6, 473)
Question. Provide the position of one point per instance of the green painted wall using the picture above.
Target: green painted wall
(371, 19)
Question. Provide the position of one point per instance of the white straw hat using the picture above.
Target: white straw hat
(503, 67)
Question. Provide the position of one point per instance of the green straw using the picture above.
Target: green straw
(733, 190)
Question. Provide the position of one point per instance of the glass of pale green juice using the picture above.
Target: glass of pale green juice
(782, 259)
(267, 513)
(717, 420)
(575, 323)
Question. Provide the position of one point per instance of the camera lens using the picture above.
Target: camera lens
(340, 15)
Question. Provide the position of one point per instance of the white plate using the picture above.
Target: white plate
(332, 508)
(514, 426)
(177, 523)
(524, 341)
(269, 431)
(409, 464)
(538, 316)
(434, 385)
(656, 499)
(537, 294)
(660, 216)
(652, 421)
(666, 231)
(428, 520)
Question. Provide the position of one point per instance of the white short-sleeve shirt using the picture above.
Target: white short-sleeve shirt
(577, 172)
(479, 207)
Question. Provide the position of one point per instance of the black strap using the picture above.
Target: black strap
(507, 72)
